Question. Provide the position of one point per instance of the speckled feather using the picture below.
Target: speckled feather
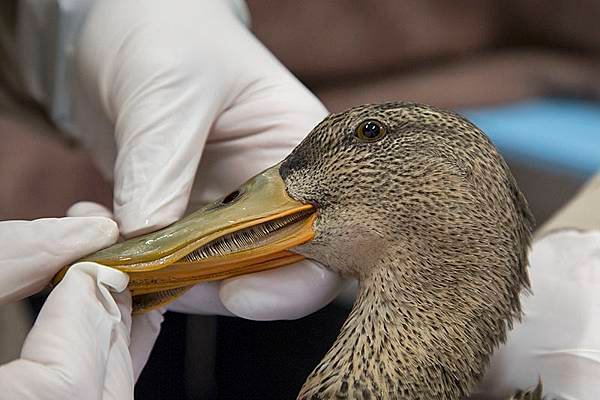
(431, 222)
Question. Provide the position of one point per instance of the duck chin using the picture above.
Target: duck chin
(352, 257)
(351, 241)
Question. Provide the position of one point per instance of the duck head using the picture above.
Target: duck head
(417, 204)
(413, 202)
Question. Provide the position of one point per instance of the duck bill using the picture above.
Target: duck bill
(250, 230)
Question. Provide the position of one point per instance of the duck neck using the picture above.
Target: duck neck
(401, 340)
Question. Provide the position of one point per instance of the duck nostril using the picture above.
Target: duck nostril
(231, 197)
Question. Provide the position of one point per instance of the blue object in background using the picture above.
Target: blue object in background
(552, 133)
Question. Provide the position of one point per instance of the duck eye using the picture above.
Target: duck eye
(370, 130)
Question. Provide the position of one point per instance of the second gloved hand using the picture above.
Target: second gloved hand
(558, 339)
(79, 345)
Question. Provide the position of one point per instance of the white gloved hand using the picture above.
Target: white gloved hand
(182, 102)
(79, 345)
(559, 338)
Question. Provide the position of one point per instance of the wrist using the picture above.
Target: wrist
(47, 34)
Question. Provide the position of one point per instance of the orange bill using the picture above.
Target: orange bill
(250, 230)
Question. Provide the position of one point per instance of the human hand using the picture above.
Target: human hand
(559, 337)
(32, 252)
(79, 345)
(180, 103)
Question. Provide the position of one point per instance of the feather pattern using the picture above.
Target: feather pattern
(425, 213)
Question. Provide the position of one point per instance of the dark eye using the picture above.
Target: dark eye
(370, 130)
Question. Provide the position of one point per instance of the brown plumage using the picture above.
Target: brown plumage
(429, 219)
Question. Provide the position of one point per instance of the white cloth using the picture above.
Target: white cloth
(78, 347)
(559, 338)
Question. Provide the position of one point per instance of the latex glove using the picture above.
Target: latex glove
(144, 327)
(32, 252)
(559, 338)
(179, 99)
(78, 347)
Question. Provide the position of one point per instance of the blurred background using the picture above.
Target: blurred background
(526, 71)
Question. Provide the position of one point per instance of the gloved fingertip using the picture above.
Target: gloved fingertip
(285, 293)
(110, 278)
(89, 209)
(202, 299)
(90, 232)
(108, 230)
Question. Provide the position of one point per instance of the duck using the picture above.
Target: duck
(413, 202)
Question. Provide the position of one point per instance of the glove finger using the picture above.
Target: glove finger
(157, 162)
(89, 209)
(69, 345)
(120, 379)
(119, 382)
(33, 251)
(162, 106)
(145, 329)
(202, 299)
(285, 293)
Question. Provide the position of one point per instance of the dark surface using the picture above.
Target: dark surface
(258, 360)
(163, 378)
(254, 360)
